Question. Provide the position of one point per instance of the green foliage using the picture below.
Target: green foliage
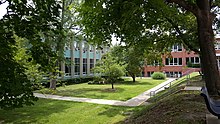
(145, 24)
(34, 75)
(130, 57)
(192, 65)
(158, 76)
(115, 72)
(29, 21)
(66, 82)
(109, 68)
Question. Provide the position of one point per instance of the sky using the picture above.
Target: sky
(3, 9)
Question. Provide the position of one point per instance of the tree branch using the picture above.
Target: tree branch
(181, 35)
(2, 2)
(182, 3)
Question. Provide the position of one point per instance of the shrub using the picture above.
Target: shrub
(192, 65)
(46, 83)
(158, 76)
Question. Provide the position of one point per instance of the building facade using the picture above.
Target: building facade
(177, 65)
(81, 57)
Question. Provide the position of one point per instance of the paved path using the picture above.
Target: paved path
(135, 101)
(211, 119)
(191, 88)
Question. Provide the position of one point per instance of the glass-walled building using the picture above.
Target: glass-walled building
(81, 57)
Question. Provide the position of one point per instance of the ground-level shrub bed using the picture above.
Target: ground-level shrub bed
(186, 107)
(46, 83)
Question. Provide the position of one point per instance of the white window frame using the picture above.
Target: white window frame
(177, 48)
(172, 63)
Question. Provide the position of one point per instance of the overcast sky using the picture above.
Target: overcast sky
(3, 9)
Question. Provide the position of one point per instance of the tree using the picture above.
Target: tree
(34, 74)
(202, 9)
(158, 22)
(109, 68)
(26, 19)
(130, 57)
(68, 32)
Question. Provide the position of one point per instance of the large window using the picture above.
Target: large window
(193, 60)
(77, 66)
(68, 67)
(84, 66)
(91, 63)
(173, 61)
(173, 74)
(176, 48)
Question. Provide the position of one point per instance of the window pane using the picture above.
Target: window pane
(180, 61)
(187, 60)
(167, 61)
(179, 47)
(192, 60)
(175, 61)
(196, 59)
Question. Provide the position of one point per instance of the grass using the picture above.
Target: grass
(195, 80)
(183, 107)
(47, 111)
(123, 91)
(186, 107)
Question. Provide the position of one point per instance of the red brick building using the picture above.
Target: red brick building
(177, 65)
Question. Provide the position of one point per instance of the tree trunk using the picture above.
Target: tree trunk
(202, 71)
(208, 55)
(112, 85)
(133, 77)
(53, 84)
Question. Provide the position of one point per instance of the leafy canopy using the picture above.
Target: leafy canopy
(29, 20)
(143, 23)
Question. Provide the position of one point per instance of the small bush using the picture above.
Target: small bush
(192, 65)
(46, 83)
(158, 76)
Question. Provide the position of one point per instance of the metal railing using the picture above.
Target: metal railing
(173, 88)
(153, 93)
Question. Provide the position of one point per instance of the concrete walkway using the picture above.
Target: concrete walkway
(192, 88)
(211, 119)
(135, 101)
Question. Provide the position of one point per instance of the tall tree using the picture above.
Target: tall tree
(26, 19)
(130, 57)
(157, 22)
(68, 32)
(202, 9)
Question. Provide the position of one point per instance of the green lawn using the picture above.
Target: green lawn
(65, 112)
(123, 91)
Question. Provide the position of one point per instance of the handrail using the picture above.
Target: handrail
(170, 91)
(152, 93)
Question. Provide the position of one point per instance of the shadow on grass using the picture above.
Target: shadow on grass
(38, 113)
(119, 110)
(97, 93)
(134, 83)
